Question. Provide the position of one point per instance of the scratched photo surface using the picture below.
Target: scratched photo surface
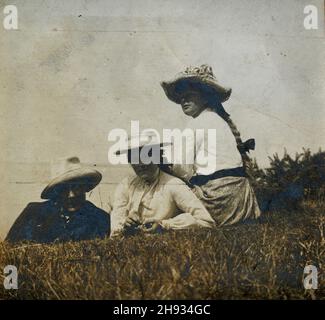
(73, 71)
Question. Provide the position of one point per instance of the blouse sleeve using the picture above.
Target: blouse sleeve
(185, 168)
(120, 208)
(194, 214)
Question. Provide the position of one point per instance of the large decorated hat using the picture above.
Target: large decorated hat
(70, 171)
(199, 79)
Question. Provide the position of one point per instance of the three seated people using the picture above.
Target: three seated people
(151, 200)
(155, 197)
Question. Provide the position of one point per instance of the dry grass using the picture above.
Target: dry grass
(260, 260)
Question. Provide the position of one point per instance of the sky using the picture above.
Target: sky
(74, 70)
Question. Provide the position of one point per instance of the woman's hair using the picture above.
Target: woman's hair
(226, 117)
(212, 101)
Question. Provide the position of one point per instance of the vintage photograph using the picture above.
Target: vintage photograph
(162, 150)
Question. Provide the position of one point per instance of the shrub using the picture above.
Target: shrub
(288, 180)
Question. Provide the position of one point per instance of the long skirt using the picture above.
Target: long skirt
(229, 200)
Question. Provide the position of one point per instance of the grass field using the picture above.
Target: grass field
(259, 260)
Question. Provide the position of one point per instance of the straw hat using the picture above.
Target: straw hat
(147, 139)
(70, 170)
(200, 79)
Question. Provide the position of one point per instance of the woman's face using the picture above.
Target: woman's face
(146, 171)
(192, 104)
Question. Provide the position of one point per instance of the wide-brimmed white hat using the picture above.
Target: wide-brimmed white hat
(70, 170)
(148, 139)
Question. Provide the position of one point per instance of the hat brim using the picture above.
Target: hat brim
(125, 151)
(89, 178)
(176, 88)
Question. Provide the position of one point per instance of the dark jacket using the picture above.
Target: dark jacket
(43, 222)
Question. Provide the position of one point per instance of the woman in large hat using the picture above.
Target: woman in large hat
(223, 185)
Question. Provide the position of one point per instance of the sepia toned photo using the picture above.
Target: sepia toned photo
(162, 150)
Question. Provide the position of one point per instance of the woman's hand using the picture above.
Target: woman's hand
(152, 226)
(132, 220)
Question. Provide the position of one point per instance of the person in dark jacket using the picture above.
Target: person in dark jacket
(66, 215)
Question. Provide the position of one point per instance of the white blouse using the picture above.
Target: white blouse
(213, 151)
(167, 199)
